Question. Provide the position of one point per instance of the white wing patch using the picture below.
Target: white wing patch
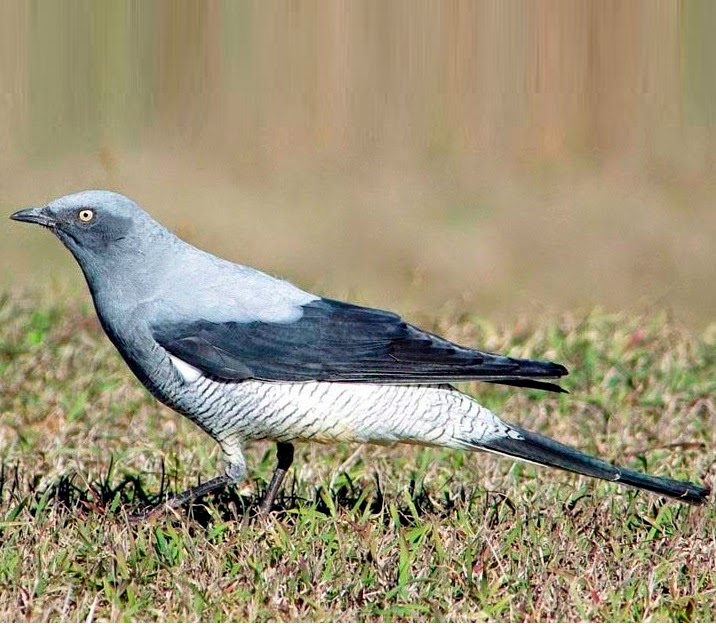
(186, 370)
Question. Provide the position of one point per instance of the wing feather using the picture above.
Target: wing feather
(336, 341)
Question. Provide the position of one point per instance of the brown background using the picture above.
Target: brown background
(501, 157)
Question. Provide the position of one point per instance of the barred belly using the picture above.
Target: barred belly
(233, 413)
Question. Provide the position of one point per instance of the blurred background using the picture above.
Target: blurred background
(504, 158)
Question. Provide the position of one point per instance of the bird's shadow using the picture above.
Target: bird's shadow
(127, 497)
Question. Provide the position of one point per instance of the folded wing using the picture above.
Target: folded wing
(336, 341)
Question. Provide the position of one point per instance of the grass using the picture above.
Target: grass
(362, 533)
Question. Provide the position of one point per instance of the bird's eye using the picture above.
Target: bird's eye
(85, 215)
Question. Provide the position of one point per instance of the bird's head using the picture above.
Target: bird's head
(96, 226)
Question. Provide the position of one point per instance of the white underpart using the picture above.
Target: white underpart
(234, 413)
(186, 370)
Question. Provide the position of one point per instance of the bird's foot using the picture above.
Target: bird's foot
(234, 472)
(177, 501)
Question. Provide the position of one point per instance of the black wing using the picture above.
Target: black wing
(336, 341)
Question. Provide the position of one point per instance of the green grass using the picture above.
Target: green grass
(368, 533)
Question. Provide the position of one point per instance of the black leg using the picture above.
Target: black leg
(176, 501)
(284, 455)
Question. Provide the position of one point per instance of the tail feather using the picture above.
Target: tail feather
(543, 451)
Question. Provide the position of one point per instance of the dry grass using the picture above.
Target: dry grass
(399, 534)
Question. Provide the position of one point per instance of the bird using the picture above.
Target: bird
(247, 356)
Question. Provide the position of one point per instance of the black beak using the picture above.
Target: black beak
(34, 215)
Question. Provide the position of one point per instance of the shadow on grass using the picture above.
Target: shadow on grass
(127, 496)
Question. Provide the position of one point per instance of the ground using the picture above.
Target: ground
(361, 533)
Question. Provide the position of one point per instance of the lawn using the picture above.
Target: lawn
(362, 533)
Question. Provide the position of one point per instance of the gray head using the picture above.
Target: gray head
(96, 226)
(128, 258)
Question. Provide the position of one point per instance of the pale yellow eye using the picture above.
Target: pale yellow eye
(85, 215)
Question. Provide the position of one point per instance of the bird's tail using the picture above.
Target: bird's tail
(543, 451)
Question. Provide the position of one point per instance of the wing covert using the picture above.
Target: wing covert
(336, 341)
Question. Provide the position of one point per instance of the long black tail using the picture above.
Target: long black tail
(540, 450)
